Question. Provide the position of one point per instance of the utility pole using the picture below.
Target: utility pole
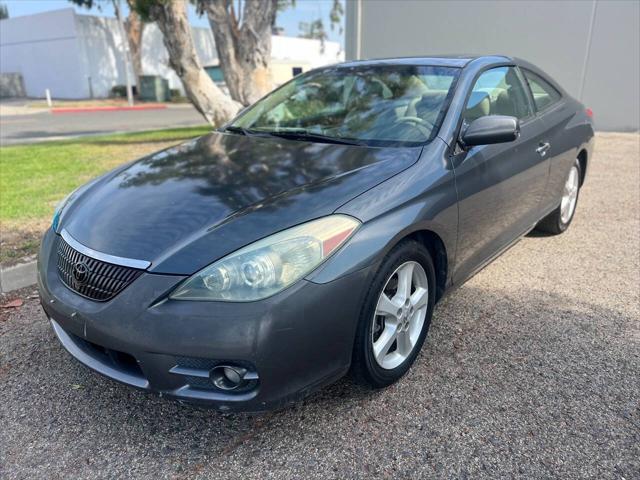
(128, 66)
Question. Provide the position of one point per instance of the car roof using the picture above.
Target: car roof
(473, 62)
(458, 61)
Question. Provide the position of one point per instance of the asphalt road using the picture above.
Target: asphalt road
(38, 127)
(530, 370)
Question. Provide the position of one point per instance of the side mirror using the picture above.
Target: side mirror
(491, 129)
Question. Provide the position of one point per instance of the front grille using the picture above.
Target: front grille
(92, 278)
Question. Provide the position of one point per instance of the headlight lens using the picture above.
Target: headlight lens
(59, 208)
(62, 204)
(269, 265)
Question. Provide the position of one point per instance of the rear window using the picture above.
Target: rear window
(544, 94)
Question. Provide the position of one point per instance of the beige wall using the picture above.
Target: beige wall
(75, 55)
(282, 71)
(592, 48)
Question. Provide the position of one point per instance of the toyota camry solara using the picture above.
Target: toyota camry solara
(313, 234)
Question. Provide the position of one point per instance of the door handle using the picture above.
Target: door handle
(542, 148)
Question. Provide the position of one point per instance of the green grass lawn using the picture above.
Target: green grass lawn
(34, 178)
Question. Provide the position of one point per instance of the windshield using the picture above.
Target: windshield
(369, 104)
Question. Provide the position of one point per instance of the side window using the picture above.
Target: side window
(544, 94)
(498, 91)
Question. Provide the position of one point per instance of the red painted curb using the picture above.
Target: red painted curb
(158, 106)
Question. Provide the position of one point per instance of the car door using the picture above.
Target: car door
(499, 186)
(555, 114)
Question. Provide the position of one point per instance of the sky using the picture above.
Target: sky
(304, 11)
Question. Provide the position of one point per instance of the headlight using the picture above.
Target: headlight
(269, 265)
(59, 208)
(57, 214)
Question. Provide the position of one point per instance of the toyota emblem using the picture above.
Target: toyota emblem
(81, 273)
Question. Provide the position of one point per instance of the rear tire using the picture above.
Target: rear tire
(392, 329)
(559, 220)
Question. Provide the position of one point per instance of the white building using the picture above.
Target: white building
(79, 56)
(592, 48)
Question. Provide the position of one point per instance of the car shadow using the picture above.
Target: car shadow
(539, 234)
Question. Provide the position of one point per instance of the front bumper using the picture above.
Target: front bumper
(292, 343)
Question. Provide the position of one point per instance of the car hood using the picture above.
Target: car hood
(189, 205)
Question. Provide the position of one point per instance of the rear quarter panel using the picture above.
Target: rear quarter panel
(569, 131)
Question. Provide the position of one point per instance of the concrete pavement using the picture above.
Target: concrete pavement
(42, 126)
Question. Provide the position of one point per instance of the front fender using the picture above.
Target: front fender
(420, 198)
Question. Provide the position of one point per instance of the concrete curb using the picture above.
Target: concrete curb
(18, 276)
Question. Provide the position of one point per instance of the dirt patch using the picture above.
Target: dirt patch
(20, 243)
(11, 302)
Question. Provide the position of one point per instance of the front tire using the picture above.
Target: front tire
(395, 317)
(559, 220)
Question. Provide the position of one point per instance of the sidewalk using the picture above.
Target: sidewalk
(18, 106)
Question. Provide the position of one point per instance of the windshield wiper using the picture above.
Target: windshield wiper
(302, 134)
(236, 129)
(293, 134)
(246, 131)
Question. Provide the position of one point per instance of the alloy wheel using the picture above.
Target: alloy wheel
(570, 195)
(400, 314)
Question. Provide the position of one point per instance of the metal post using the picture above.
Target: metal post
(125, 44)
(47, 94)
(358, 29)
(585, 63)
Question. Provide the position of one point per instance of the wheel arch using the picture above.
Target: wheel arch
(582, 158)
(377, 238)
(436, 248)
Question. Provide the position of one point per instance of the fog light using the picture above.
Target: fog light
(228, 378)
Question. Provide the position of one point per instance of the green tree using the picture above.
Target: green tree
(172, 20)
(314, 30)
(242, 31)
(4, 12)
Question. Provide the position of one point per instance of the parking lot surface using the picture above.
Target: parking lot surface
(530, 370)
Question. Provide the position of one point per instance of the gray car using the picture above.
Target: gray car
(313, 234)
